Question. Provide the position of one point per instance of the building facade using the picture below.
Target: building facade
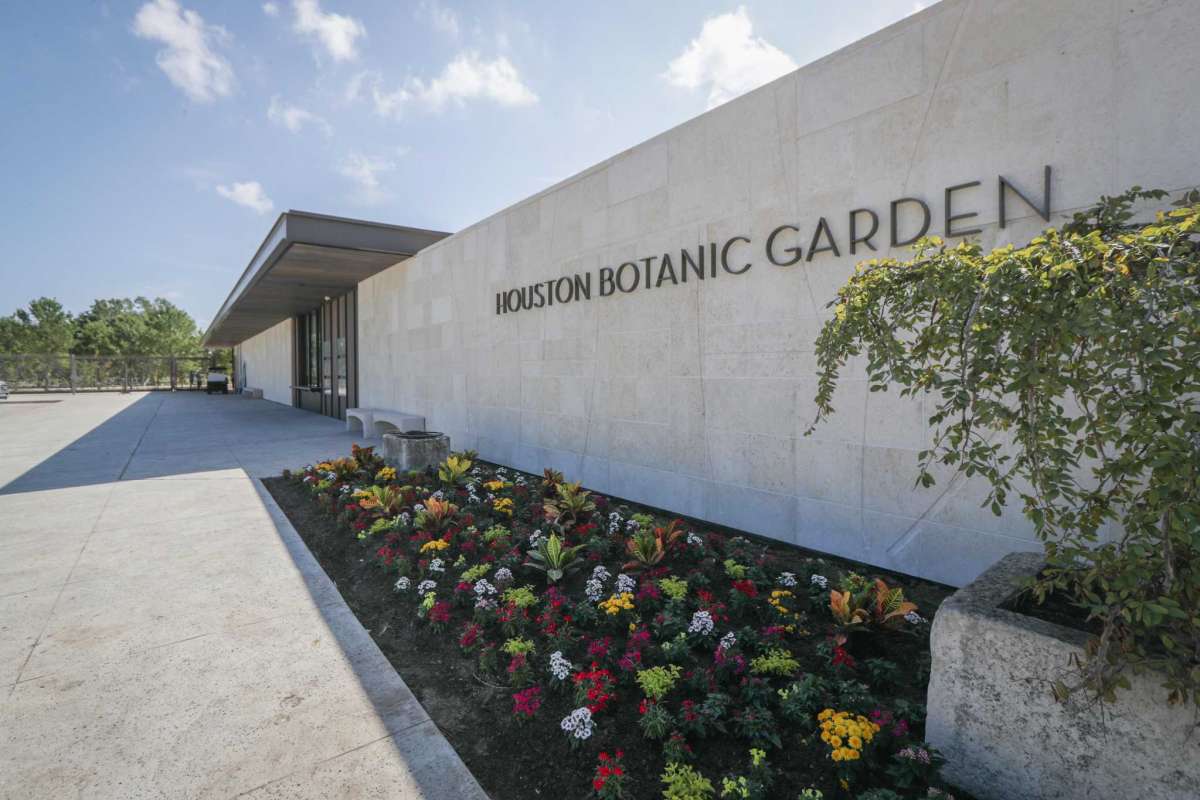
(647, 326)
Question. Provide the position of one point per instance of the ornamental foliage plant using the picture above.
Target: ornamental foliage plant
(1065, 373)
(709, 642)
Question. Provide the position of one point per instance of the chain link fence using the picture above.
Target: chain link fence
(70, 373)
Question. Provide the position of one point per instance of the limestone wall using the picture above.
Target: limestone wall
(267, 360)
(694, 396)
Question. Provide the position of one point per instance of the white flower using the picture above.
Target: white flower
(820, 580)
(535, 539)
(473, 498)
(914, 618)
(437, 565)
(405, 518)
(486, 603)
(426, 586)
(694, 540)
(402, 584)
(594, 590)
(578, 723)
(601, 574)
(625, 583)
(438, 495)
(727, 641)
(787, 579)
(560, 667)
(702, 623)
(418, 508)
(504, 576)
(483, 588)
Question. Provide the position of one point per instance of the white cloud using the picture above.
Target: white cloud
(188, 58)
(467, 77)
(728, 58)
(271, 9)
(295, 118)
(249, 194)
(354, 86)
(336, 33)
(443, 19)
(365, 172)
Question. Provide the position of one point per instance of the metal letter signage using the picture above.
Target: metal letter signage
(787, 245)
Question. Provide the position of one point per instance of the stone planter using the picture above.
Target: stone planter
(411, 450)
(992, 714)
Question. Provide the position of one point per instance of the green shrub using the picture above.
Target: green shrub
(1066, 373)
(685, 783)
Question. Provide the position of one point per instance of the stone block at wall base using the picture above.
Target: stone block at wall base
(992, 714)
(415, 450)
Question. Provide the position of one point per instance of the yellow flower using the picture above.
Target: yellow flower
(855, 742)
(617, 603)
(495, 486)
(503, 505)
(386, 474)
(835, 741)
(434, 544)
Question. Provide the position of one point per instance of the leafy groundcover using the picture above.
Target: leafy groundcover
(573, 645)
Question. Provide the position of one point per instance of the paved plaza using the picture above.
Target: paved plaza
(164, 633)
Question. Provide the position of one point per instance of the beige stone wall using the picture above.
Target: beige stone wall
(695, 397)
(267, 360)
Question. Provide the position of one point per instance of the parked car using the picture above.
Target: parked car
(3, 390)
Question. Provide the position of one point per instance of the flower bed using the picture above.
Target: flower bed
(626, 653)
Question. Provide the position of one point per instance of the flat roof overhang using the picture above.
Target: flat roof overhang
(304, 259)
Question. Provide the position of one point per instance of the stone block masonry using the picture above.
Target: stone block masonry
(556, 334)
(991, 711)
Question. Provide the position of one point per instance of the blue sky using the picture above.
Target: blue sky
(147, 146)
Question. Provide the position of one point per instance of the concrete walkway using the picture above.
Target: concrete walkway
(164, 633)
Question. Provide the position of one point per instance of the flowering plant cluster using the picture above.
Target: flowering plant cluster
(595, 613)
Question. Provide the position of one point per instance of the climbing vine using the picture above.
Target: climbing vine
(1067, 374)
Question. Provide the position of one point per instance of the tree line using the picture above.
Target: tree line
(112, 327)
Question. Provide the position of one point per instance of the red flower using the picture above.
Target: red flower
(527, 702)
(746, 587)
(842, 658)
(440, 613)
(470, 636)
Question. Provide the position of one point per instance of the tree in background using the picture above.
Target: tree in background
(121, 326)
(113, 333)
(45, 327)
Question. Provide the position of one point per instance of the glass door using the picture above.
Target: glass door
(326, 365)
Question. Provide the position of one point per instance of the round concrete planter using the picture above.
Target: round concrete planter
(409, 450)
(992, 714)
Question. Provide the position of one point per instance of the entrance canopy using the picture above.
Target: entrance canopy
(305, 259)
